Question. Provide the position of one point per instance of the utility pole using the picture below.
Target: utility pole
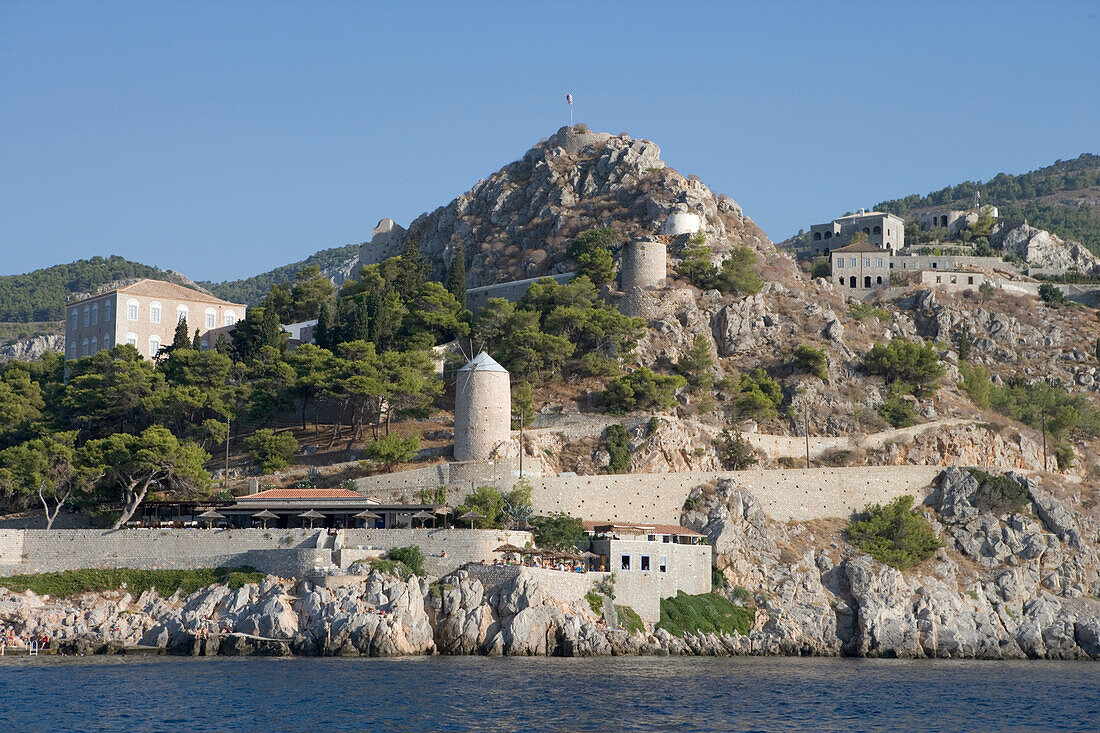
(806, 430)
(225, 476)
(522, 416)
(1044, 408)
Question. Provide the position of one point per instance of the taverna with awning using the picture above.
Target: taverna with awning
(331, 508)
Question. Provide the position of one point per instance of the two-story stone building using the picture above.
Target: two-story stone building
(144, 314)
(884, 231)
(861, 266)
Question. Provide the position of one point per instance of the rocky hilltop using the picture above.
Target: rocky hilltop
(518, 223)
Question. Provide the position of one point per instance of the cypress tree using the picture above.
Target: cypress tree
(196, 343)
(181, 339)
(456, 276)
(322, 335)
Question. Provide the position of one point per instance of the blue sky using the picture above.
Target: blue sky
(223, 139)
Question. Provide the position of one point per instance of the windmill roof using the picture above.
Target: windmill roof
(483, 363)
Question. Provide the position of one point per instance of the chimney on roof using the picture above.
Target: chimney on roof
(862, 211)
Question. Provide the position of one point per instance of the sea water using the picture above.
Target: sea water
(540, 694)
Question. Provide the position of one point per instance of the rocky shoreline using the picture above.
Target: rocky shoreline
(1021, 585)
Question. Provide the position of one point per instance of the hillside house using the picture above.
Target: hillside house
(861, 266)
(144, 314)
(884, 232)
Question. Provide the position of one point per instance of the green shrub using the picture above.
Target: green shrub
(594, 365)
(708, 613)
(641, 389)
(759, 395)
(629, 619)
(894, 534)
(898, 411)
(595, 602)
(975, 382)
(735, 453)
(617, 444)
(391, 567)
(735, 276)
(998, 494)
(271, 450)
(523, 405)
(717, 578)
(591, 251)
(165, 582)
(811, 360)
(861, 310)
(1049, 293)
(696, 364)
(558, 531)
(389, 450)
(912, 363)
(821, 268)
(411, 557)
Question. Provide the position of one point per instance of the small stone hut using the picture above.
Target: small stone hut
(644, 264)
(483, 409)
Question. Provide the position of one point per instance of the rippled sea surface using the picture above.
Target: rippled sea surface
(479, 694)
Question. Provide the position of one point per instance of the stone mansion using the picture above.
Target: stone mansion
(144, 314)
(884, 232)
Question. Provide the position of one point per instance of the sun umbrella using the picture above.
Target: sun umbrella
(507, 547)
(265, 515)
(211, 515)
(423, 515)
(471, 516)
(443, 509)
(311, 515)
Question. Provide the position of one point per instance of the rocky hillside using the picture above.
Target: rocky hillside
(518, 223)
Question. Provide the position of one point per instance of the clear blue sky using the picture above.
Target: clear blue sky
(223, 139)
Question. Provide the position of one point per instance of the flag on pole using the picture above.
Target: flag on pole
(569, 99)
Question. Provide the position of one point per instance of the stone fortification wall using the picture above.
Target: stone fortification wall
(644, 264)
(786, 495)
(511, 291)
(286, 552)
(459, 478)
(483, 413)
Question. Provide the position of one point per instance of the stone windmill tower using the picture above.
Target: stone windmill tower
(644, 264)
(483, 409)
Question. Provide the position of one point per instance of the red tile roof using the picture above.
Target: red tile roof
(303, 494)
(644, 528)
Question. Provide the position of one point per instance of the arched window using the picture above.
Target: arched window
(72, 348)
(878, 280)
(87, 315)
(131, 338)
(95, 344)
(154, 345)
(107, 312)
(230, 318)
(877, 229)
(106, 341)
(154, 312)
(817, 236)
(85, 347)
(131, 310)
(95, 314)
(204, 346)
(828, 235)
(211, 318)
(867, 281)
(182, 313)
(76, 318)
(866, 230)
(852, 281)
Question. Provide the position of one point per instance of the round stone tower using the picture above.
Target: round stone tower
(644, 264)
(483, 409)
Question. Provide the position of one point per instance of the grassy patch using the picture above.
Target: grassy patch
(707, 612)
(166, 582)
(595, 602)
(629, 619)
(861, 310)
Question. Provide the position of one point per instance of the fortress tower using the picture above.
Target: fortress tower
(387, 240)
(483, 409)
(644, 264)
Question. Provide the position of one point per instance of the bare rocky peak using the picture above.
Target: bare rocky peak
(518, 223)
(1046, 251)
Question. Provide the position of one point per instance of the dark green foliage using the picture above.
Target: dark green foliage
(617, 443)
(40, 295)
(523, 405)
(696, 364)
(411, 557)
(558, 531)
(311, 290)
(707, 613)
(861, 310)
(812, 361)
(894, 534)
(166, 582)
(595, 602)
(821, 268)
(629, 619)
(735, 276)
(998, 494)
(912, 363)
(734, 451)
(591, 251)
(717, 578)
(456, 275)
(488, 502)
(271, 450)
(594, 365)
(389, 450)
(759, 395)
(254, 289)
(1049, 293)
(975, 382)
(641, 389)
(898, 411)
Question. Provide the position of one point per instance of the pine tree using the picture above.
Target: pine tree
(322, 334)
(456, 276)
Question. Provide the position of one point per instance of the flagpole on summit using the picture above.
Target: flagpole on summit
(569, 101)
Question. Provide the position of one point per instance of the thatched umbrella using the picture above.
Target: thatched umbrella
(443, 510)
(471, 516)
(311, 515)
(588, 555)
(366, 515)
(211, 515)
(264, 516)
(423, 515)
